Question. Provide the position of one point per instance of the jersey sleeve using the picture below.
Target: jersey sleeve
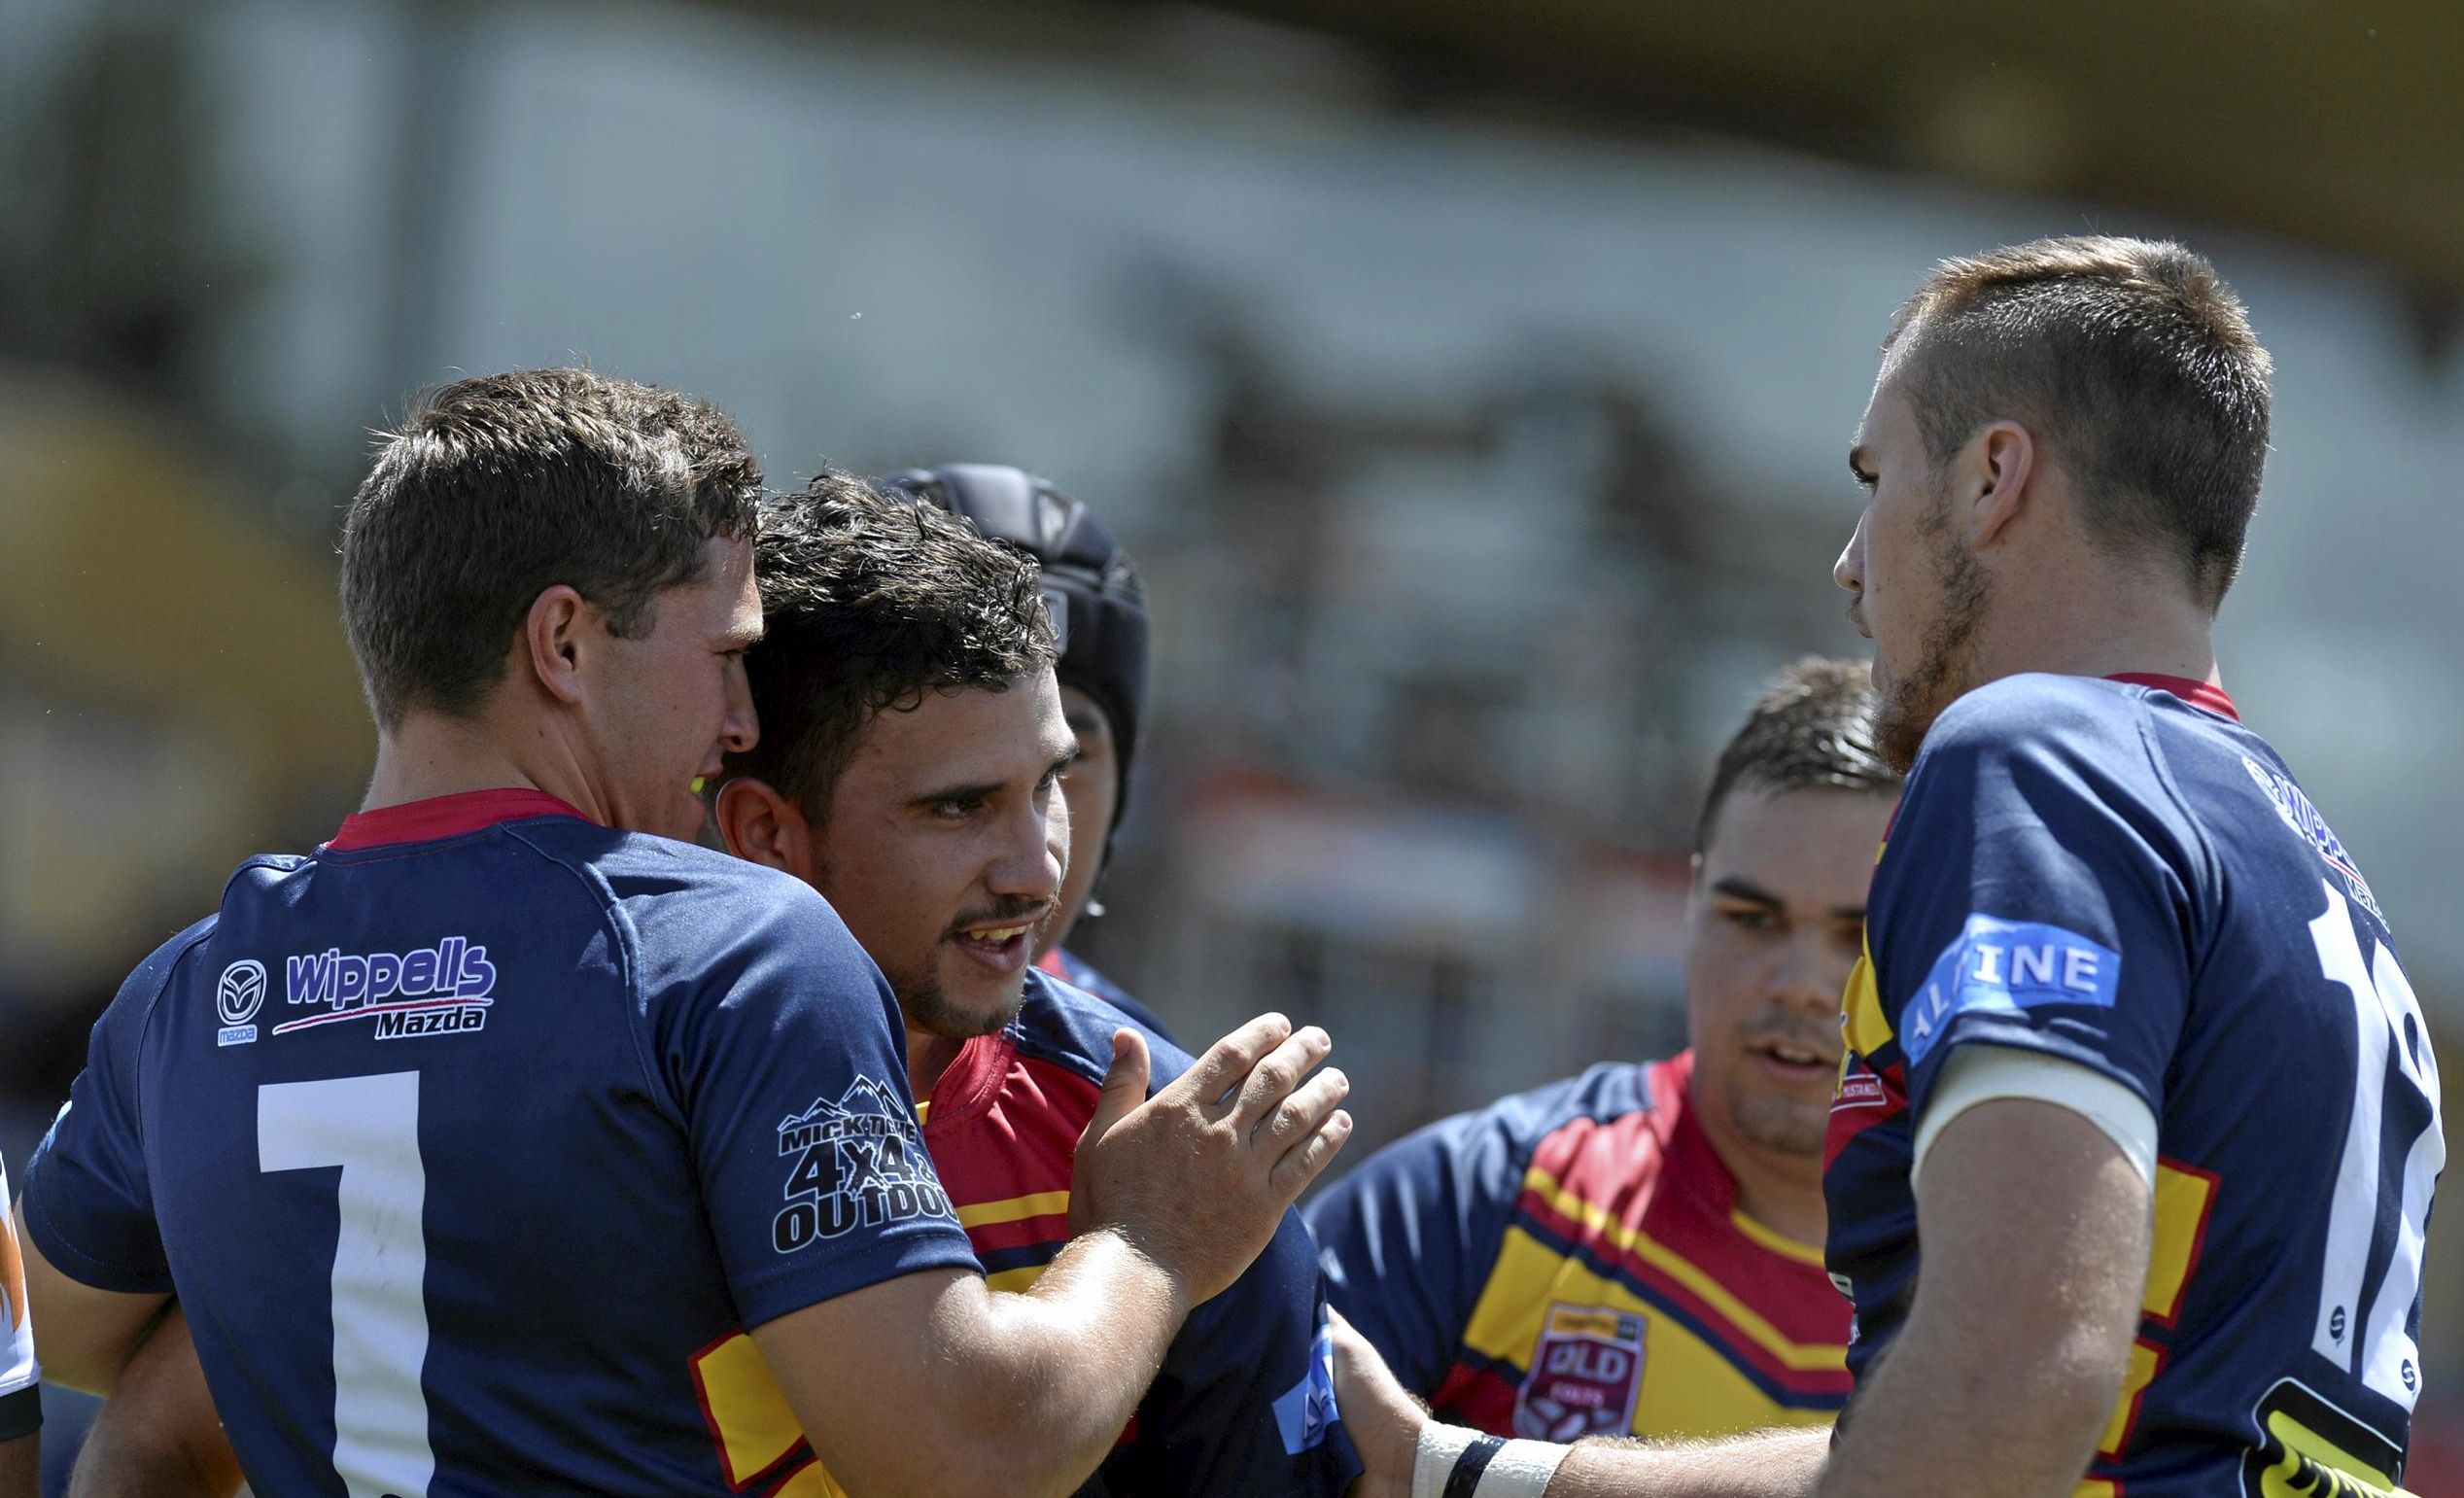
(21, 1397)
(1245, 1400)
(2032, 893)
(89, 1201)
(780, 1046)
(1408, 1238)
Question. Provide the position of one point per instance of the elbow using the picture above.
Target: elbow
(1020, 1461)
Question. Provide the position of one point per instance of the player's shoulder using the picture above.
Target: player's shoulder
(2039, 714)
(1504, 1136)
(1062, 1023)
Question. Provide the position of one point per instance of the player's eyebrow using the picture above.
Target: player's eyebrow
(1736, 888)
(741, 638)
(982, 791)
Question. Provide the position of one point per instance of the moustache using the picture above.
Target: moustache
(1006, 911)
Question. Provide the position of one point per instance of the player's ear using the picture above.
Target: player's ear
(550, 646)
(2004, 462)
(761, 825)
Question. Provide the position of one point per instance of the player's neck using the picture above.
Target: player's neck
(928, 1056)
(428, 755)
(2104, 624)
(1780, 1193)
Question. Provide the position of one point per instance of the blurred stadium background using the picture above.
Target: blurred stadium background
(1472, 381)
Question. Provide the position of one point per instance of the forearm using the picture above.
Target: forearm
(159, 1435)
(1980, 1412)
(1053, 1374)
(21, 1466)
(1767, 1464)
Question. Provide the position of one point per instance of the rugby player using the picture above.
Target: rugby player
(1098, 609)
(20, 1377)
(1637, 1250)
(2131, 1054)
(560, 1121)
(916, 742)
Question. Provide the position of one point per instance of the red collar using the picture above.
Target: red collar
(2199, 694)
(442, 816)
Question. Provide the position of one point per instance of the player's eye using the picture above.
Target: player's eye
(1751, 918)
(955, 807)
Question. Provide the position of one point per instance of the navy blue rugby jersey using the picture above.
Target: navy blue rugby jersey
(459, 1139)
(1244, 1401)
(2117, 873)
(1078, 973)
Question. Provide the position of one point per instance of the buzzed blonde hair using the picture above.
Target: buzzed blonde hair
(2130, 359)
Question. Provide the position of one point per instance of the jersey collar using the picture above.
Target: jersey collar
(442, 816)
(2204, 695)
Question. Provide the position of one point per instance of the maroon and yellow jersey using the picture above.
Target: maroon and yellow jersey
(1572, 1261)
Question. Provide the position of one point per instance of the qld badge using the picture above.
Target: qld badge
(1585, 1374)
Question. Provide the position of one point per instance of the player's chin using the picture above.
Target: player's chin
(976, 999)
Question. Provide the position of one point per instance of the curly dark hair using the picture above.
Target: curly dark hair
(868, 602)
(1812, 728)
(498, 488)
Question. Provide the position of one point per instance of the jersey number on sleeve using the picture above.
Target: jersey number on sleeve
(369, 1127)
(2393, 1150)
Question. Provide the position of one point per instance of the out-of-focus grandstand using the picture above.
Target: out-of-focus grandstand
(1472, 383)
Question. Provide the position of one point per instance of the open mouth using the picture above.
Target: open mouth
(1003, 949)
(1792, 1061)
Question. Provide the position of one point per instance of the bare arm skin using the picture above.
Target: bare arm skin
(22, 1467)
(2036, 1231)
(932, 1383)
(82, 1335)
(158, 1436)
(1385, 1422)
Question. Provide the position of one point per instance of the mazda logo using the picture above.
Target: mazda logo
(242, 990)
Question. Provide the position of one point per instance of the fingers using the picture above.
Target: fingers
(1303, 1163)
(1272, 1079)
(1232, 1059)
(1297, 1116)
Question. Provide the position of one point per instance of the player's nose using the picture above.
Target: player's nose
(740, 728)
(1029, 863)
(1849, 572)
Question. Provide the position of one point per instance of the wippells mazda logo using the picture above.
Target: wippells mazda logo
(237, 998)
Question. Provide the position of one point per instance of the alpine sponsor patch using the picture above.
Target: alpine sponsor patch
(1584, 1374)
(1305, 1411)
(858, 1162)
(2007, 966)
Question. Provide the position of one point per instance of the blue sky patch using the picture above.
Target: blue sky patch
(2007, 966)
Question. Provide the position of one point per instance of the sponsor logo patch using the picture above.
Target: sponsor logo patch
(2297, 812)
(237, 996)
(1585, 1374)
(2007, 967)
(857, 1163)
(1305, 1411)
(1860, 1089)
(444, 989)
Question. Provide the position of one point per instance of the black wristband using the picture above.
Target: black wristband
(21, 1412)
(1468, 1467)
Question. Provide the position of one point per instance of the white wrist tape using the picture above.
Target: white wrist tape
(1452, 1462)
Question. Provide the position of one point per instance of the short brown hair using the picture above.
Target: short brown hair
(498, 488)
(2132, 357)
(1812, 729)
(869, 602)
